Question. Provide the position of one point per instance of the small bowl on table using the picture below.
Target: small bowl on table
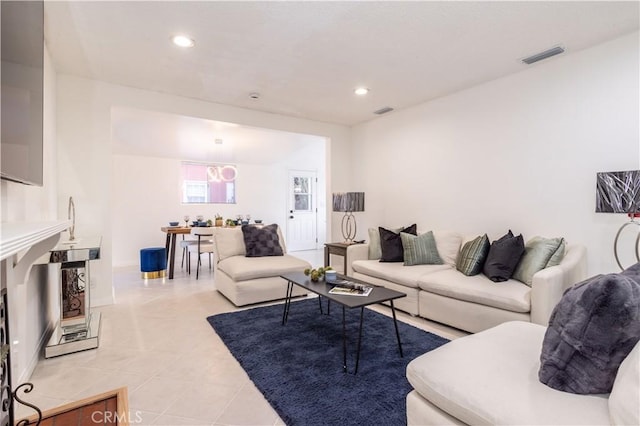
(258, 221)
(174, 223)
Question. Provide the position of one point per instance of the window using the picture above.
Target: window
(302, 194)
(208, 183)
(194, 192)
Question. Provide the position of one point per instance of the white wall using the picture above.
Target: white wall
(311, 158)
(86, 161)
(33, 306)
(147, 195)
(520, 152)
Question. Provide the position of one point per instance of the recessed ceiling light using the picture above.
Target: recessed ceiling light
(361, 91)
(183, 41)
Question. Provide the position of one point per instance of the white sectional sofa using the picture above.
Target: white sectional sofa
(491, 378)
(471, 303)
(247, 280)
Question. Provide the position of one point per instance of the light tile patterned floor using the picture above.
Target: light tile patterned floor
(156, 341)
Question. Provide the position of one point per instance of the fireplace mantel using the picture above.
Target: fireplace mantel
(33, 238)
(18, 236)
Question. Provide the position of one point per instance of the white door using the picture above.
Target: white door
(302, 214)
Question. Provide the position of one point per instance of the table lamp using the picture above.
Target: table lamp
(619, 192)
(348, 202)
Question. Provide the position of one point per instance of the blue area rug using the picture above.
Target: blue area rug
(298, 366)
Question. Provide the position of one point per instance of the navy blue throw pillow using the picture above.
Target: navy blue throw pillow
(261, 241)
(504, 255)
(391, 243)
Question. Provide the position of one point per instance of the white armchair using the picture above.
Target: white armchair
(246, 280)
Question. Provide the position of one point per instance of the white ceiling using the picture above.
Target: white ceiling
(157, 134)
(305, 58)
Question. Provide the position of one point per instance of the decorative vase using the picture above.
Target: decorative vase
(218, 222)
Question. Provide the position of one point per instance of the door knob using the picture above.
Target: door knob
(291, 217)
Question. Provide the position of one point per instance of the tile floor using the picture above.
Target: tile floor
(156, 341)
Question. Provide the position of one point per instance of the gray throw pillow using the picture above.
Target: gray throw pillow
(261, 241)
(391, 243)
(504, 255)
(472, 256)
(420, 249)
(539, 253)
(592, 329)
(633, 272)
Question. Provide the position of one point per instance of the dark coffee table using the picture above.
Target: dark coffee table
(321, 288)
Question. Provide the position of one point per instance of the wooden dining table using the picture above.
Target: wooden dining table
(172, 233)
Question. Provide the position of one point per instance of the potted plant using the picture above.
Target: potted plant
(316, 274)
(219, 220)
(230, 222)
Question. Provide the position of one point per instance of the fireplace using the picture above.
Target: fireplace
(21, 245)
(6, 413)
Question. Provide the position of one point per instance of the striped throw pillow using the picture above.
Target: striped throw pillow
(420, 249)
(472, 256)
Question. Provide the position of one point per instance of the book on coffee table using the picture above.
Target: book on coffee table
(350, 288)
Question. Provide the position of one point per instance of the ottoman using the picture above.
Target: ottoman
(153, 262)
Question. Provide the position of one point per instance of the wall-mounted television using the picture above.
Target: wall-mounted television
(22, 92)
(618, 192)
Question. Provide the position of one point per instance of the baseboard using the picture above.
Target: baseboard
(122, 265)
(31, 366)
(136, 264)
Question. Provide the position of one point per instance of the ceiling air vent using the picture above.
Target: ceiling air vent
(383, 110)
(543, 55)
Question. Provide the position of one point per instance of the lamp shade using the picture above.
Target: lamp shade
(348, 202)
(618, 192)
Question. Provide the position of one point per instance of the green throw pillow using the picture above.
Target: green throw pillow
(558, 255)
(472, 256)
(420, 249)
(539, 253)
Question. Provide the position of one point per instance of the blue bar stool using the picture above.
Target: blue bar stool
(153, 262)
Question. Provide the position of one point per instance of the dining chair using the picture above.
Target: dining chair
(184, 245)
(204, 245)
